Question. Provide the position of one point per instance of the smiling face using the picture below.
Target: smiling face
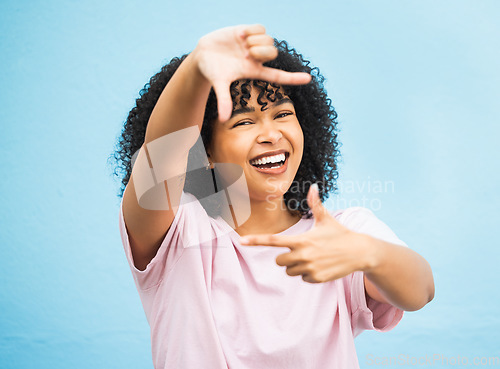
(258, 141)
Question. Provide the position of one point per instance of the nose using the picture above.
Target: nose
(269, 133)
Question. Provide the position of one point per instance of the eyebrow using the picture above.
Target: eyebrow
(251, 109)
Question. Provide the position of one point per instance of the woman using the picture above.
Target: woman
(213, 298)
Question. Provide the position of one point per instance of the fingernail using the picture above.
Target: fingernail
(244, 240)
(314, 186)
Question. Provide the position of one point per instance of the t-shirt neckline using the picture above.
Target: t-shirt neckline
(284, 232)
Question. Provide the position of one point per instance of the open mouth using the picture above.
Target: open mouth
(271, 163)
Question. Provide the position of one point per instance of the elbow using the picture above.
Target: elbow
(430, 289)
(424, 300)
(431, 293)
(428, 292)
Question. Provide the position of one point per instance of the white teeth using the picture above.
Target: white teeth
(269, 159)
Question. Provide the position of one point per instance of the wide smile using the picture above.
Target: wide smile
(276, 167)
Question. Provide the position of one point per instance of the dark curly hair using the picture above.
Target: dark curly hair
(313, 108)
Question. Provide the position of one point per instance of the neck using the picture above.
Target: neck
(269, 216)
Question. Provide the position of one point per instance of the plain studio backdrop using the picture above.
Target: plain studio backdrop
(416, 87)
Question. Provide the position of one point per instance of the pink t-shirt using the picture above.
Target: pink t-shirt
(213, 303)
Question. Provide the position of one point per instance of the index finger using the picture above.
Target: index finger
(270, 240)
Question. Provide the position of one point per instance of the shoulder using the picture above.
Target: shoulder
(364, 220)
(353, 215)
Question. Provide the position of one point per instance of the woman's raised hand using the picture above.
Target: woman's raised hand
(238, 52)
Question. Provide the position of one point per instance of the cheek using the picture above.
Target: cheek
(230, 148)
(298, 138)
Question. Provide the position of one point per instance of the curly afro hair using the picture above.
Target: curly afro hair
(313, 108)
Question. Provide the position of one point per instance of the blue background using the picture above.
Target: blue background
(416, 86)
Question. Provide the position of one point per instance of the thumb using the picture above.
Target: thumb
(314, 202)
(224, 101)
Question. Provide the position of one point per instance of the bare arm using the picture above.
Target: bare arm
(181, 105)
(397, 275)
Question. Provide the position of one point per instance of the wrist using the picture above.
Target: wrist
(194, 60)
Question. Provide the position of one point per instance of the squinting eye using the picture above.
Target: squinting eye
(283, 114)
(241, 123)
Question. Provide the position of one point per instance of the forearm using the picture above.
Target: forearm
(401, 275)
(181, 105)
(182, 102)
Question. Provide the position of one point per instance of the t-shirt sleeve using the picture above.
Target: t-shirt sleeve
(367, 313)
(189, 217)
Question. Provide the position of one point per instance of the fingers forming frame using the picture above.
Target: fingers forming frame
(255, 40)
(263, 53)
(297, 261)
(260, 46)
(252, 29)
(284, 78)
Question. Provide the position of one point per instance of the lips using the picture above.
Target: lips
(279, 170)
